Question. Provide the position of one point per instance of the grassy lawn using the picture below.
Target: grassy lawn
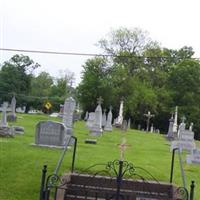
(21, 163)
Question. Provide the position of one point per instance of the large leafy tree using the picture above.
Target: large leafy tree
(15, 76)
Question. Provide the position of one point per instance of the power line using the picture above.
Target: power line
(55, 52)
(83, 54)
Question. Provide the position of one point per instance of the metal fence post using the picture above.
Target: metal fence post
(192, 190)
(42, 187)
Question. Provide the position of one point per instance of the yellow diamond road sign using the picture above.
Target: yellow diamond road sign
(48, 105)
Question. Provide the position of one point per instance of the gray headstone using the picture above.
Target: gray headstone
(104, 118)
(108, 126)
(90, 120)
(96, 129)
(194, 157)
(51, 133)
(4, 117)
(170, 129)
(69, 107)
(86, 116)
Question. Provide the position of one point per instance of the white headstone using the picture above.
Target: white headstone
(119, 119)
(175, 125)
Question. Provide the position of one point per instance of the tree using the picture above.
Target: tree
(41, 85)
(95, 83)
(15, 76)
(184, 81)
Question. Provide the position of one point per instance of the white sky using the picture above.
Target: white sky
(76, 25)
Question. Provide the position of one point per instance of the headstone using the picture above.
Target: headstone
(4, 117)
(96, 129)
(181, 127)
(175, 124)
(129, 123)
(185, 141)
(170, 129)
(191, 126)
(104, 118)
(12, 116)
(90, 120)
(194, 157)
(149, 116)
(108, 126)
(49, 133)
(119, 119)
(69, 107)
(139, 126)
(152, 128)
(86, 116)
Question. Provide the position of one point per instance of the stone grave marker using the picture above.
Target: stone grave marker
(170, 134)
(119, 120)
(90, 120)
(12, 116)
(108, 126)
(194, 157)
(96, 129)
(104, 118)
(50, 133)
(185, 141)
(86, 116)
(149, 116)
(4, 115)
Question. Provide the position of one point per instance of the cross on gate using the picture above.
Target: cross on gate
(122, 148)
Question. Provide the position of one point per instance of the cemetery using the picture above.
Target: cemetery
(130, 129)
(22, 163)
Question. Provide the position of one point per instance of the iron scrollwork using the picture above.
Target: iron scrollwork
(181, 193)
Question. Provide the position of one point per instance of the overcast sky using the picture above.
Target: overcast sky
(76, 25)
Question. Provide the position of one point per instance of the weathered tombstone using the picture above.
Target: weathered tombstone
(152, 128)
(5, 130)
(12, 116)
(69, 107)
(86, 116)
(104, 118)
(185, 141)
(149, 116)
(175, 124)
(119, 119)
(90, 120)
(96, 129)
(108, 126)
(4, 117)
(49, 133)
(170, 134)
(191, 126)
(181, 127)
(129, 123)
(139, 126)
(194, 157)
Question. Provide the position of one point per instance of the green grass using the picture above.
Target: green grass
(21, 163)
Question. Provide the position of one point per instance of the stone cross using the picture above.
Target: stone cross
(100, 100)
(149, 116)
(122, 148)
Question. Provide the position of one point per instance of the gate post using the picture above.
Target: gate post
(192, 190)
(42, 187)
(119, 179)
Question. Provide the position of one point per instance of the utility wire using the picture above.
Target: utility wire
(82, 54)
